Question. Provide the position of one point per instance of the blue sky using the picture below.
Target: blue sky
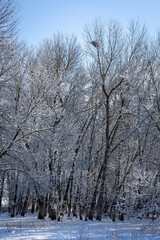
(42, 18)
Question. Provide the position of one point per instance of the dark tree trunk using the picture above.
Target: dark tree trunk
(100, 200)
(86, 213)
(46, 206)
(51, 212)
(1, 192)
(113, 210)
(25, 204)
(93, 203)
(13, 204)
(33, 206)
(74, 211)
(80, 212)
(41, 207)
(75, 203)
(121, 216)
(51, 208)
(70, 199)
(91, 211)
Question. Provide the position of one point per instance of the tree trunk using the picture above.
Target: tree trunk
(25, 204)
(13, 204)
(46, 206)
(113, 210)
(1, 192)
(100, 200)
(52, 212)
(51, 209)
(41, 207)
(33, 206)
(91, 211)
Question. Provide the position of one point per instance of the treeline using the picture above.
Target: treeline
(80, 126)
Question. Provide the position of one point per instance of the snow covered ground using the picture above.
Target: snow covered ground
(29, 227)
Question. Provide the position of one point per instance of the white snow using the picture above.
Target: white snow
(29, 228)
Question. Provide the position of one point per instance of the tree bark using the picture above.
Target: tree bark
(25, 204)
(41, 207)
(1, 192)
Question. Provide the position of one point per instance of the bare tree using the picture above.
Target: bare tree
(111, 63)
